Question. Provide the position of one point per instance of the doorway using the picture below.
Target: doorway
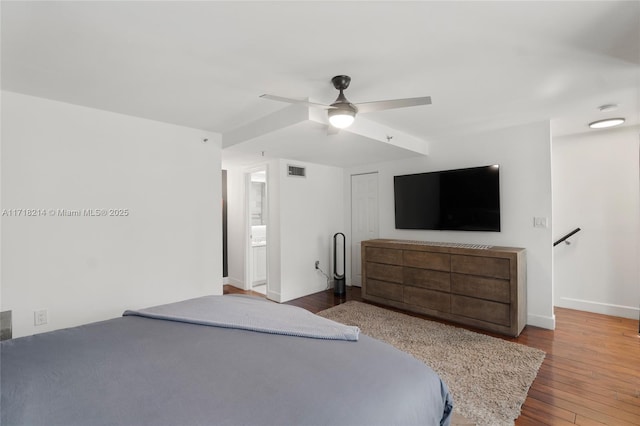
(257, 223)
(364, 218)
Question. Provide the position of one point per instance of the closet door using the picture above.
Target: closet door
(364, 219)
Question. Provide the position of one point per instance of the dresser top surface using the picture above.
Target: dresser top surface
(442, 247)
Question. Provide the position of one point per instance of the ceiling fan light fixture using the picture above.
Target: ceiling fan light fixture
(607, 122)
(341, 118)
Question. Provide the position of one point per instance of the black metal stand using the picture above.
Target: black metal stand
(339, 288)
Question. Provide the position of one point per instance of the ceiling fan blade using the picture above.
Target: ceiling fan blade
(295, 101)
(393, 103)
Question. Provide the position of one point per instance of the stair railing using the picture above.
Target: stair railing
(566, 237)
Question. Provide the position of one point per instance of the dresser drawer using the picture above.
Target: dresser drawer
(383, 255)
(494, 267)
(427, 299)
(427, 260)
(481, 287)
(484, 310)
(426, 278)
(382, 272)
(385, 290)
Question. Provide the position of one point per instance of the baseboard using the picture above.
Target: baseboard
(298, 293)
(225, 280)
(235, 282)
(542, 321)
(275, 296)
(631, 312)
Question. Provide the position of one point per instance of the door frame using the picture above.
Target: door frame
(248, 252)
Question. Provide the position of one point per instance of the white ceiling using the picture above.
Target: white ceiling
(203, 64)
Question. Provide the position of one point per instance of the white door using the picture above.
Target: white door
(364, 218)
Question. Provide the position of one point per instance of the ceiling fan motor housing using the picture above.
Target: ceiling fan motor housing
(342, 106)
(343, 112)
(341, 82)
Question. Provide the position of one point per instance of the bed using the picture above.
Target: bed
(216, 360)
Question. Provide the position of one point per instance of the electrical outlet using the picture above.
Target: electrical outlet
(317, 264)
(40, 317)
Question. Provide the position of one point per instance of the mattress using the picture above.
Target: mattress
(147, 370)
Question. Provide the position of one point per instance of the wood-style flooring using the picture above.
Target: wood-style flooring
(590, 376)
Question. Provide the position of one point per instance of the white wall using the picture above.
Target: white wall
(304, 213)
(596, 187)
(83, 269)
(524, 156)
(235, 227)
(311, 212)
(274, 229)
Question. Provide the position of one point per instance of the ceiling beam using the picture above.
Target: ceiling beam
(295, 114)
(285, 117)
(379, 132)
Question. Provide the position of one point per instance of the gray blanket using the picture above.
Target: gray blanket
(250, 313)
(137, 371)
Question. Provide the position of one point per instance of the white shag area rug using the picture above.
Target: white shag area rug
(488, 377)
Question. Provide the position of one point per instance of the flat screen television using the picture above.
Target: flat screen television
(457, 200)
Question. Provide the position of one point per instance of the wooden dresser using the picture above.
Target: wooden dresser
(480, 286)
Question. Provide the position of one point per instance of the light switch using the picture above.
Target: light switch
(539, 222)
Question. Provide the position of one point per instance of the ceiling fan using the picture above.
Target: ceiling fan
(342, 112)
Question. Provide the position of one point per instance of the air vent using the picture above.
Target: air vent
(296, 171)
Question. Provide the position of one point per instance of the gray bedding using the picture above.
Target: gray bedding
(136, 370)
(250, 313)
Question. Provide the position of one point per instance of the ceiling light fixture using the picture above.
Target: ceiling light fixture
(341, 117)
(607, 122)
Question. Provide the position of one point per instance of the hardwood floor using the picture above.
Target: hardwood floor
(590, 376)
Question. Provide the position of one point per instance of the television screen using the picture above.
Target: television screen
(459, 200)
